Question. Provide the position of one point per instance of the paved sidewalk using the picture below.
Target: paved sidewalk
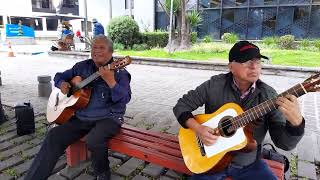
(155, 91)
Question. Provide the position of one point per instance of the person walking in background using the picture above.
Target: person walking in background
(97, 28)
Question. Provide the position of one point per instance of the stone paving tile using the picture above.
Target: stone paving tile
(139, 177)
(8, 136)
(85, 177)
(173, 174)
(56, 177)
(130, 166)
(72, 172)
(306, 149)
(61, 164)
(153, 170)
(165, 178)
(22, 168)
(114, 161)
(306, 169)
(6, 177)
(116, 177)
(10, 162)
(317, 149)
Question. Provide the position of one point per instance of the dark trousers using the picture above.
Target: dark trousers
(257, 170)
(60, 137)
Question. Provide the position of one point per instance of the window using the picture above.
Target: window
(35, 23)
(69, 3)
(228, 15)
(127, 5)
(209, 3)
(89, 26)
(241, 2)
(52, 24)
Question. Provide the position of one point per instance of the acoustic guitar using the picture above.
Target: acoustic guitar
(61, 107)
(235, 135)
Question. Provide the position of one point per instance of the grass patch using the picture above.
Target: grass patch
(11, 172)
(294, 166)
(219, 51)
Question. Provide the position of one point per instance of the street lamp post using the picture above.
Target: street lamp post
(86, 23)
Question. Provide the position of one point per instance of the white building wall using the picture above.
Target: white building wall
(16, 7)
(144, 14)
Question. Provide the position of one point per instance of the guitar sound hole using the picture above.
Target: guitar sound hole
(224, 127)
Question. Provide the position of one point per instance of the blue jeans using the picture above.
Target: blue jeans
(257, 170)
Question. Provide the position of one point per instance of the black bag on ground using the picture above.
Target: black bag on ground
(25, 119)
(272, 154)
(2, 115)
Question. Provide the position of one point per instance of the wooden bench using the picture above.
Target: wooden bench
(157, 148)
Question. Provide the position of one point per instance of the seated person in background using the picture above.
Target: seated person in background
(65, 44)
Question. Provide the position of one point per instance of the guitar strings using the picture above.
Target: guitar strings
(239, 117)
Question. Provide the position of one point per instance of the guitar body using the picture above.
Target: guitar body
(221, 151)
(61, 108)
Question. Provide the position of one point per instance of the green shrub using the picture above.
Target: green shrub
(210, 48)
(286, 42)
(305, 43)
(155, 39)
(140, 47)
(317, 44)
(207, 39)
(194, 37)
(118, 46)
(124, 30)
(229, 38)
(270, 41)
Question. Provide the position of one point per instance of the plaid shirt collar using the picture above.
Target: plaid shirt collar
(245, 94)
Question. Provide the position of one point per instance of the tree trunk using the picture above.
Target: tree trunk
(185, 39)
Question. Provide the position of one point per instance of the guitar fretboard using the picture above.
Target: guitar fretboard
(260, 110)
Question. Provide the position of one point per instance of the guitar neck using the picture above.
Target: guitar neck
(262, 109)
(91, 78)
(86, 81)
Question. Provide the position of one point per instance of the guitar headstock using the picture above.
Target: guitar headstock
(120, 63)
(312, 84)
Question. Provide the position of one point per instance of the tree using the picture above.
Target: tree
(181, 24)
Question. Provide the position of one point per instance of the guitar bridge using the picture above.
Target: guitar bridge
(201, 147)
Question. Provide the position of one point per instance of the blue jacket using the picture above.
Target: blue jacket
(98, 29)
(105, 102)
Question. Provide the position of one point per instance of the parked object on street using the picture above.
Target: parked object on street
(25, 119)
(10, 52)
(44, 86)
(65, 44)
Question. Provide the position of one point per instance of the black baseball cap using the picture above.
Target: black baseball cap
(244, 51)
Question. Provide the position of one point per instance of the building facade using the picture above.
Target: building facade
(41, 14)
(253, 19)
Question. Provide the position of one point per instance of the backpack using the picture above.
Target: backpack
(25, 119)
(272, 154)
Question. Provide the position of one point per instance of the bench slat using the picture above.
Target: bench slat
(149, 155)
(151, 145)
(151, 139)
(164, 136)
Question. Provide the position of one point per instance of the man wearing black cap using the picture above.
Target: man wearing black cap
(243, 86)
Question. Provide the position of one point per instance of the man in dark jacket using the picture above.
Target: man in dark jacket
(97, 28)
(242, 86)
(100, 120)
